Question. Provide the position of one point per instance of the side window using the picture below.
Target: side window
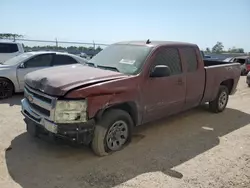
(63, 60)
(171, 58)
(8, 48)
(189, 55)
(39, 61)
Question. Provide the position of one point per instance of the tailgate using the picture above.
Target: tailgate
(215, 75)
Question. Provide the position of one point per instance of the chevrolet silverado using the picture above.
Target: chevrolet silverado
(125, 85)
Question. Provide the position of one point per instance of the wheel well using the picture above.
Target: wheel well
(129, 107)
(229, 84)
(14, 89)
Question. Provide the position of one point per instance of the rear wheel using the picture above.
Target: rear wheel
(6, 88)
(220, 102)
(112, 132)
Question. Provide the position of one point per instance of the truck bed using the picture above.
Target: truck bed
(208, 63)
(216, 74)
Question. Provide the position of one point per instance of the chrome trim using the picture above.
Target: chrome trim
(39, 93)
(32, 112)
(33, 115)
(37, 101)
(41, 103)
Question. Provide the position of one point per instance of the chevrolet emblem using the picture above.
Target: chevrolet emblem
(30, 98)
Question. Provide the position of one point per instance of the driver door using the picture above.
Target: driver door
(164, 96)
(35, 63)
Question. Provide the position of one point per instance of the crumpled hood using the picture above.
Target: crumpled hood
(57, 81)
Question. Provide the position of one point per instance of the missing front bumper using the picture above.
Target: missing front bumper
(81, 133)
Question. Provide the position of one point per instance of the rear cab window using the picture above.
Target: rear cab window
(8, 48)
(170, 57)
(190, 57)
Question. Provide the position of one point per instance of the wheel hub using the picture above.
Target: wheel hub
(117, 135)
(222, 99)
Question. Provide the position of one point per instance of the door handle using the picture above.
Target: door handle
(179, 81)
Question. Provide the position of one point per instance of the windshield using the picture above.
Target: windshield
(17, 59)
(124, 58)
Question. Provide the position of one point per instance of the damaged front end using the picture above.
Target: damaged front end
(60, 118)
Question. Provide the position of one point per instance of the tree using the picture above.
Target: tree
(218, 47)
(236, 50)
(208, 50)
(11, 36)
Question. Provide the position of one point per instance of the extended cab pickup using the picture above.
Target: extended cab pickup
(125, 85)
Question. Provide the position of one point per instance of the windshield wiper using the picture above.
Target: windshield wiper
(90, 64)
(108, 67)
(101, 66)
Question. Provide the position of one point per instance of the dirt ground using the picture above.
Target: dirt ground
(193, 149)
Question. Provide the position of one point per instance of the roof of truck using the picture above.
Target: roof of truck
(158, 43)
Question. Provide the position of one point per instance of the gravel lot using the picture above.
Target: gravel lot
(193, 149)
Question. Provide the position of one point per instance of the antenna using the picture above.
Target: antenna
(148, 41)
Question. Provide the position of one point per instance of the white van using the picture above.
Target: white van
(9, 50)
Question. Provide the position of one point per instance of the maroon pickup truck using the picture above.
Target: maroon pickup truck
(125, 85)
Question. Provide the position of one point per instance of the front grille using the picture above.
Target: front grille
(40, 109)
(40, 103)
(39, 96)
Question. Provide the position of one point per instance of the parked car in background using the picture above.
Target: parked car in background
(12, 71)
(9, 50)
(208, 57)
(244, 63)
(125, 85)
(248, 79)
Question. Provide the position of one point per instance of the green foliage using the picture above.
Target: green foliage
(70, 49)
(10, 36)
(208, 50)
(218, 47)
(236, 50)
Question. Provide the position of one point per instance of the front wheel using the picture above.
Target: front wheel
(220, 102)
(6, 88)
(112, 132)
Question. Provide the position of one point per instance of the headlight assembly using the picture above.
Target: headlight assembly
(70, 111)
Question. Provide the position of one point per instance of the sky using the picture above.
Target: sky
(107, 21)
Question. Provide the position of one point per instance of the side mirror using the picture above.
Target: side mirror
(160, 71)
(22, 66)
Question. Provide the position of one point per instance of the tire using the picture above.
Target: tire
(6, 88)
(104, 130)
(220, 102)
(248, 85)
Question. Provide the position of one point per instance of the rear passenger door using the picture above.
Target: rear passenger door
(60, 60)
(164, 96)
(195, 76)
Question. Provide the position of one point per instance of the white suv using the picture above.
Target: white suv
(9, 50)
